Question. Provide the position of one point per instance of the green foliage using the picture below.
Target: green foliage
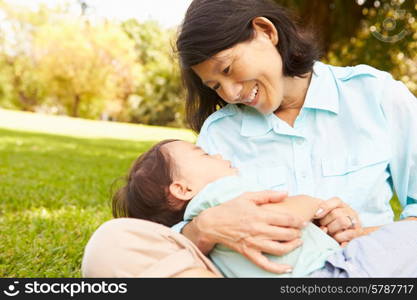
(386, 39)
(85, 65)
(55, 191)
(380, 33)
(54, 62)
(159, 97)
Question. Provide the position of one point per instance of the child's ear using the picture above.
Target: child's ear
(181, 191)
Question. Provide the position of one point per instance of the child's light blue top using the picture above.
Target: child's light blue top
(311, 256)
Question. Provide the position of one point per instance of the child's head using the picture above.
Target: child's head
(165, 178)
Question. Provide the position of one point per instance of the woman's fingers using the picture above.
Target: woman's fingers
(338, 220)
(324, 228)
(278, 248)
(344, 244)
(347, 235)
(283, 220)
(328, 206)
(244, 225)
(275, 233)
(254, 250)
(265, 197)
(263, 262)
(342, 223)
(268, 239)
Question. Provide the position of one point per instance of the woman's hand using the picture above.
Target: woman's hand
(339, 220)
(243, 225)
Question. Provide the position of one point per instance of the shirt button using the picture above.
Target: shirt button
(299, 142)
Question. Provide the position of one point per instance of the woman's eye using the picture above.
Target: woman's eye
(216, 87)
(227, 70)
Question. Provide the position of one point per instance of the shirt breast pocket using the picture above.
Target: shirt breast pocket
(357, 173)
(268, 175)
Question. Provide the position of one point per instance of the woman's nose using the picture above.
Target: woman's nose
(232, 92)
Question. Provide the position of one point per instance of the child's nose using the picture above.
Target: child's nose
(218, 156)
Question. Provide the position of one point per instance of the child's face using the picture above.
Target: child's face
(195, 167)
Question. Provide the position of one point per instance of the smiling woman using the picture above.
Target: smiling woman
(258, 96)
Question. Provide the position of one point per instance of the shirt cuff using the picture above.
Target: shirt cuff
(178, 227)
(409, 211)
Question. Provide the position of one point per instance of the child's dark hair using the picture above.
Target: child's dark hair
(146, 193)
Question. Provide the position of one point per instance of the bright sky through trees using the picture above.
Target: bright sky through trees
(167, 12)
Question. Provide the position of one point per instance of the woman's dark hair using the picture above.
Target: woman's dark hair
(211, 26)
(146, 193)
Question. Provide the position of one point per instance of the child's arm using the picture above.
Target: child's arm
(302, 206)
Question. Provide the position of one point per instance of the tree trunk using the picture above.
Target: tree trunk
(76, 105)
(332, 20)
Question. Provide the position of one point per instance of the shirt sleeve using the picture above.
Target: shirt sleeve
(206, 143)
(400, 109)
(179, 226)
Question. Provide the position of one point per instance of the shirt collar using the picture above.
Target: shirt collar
(254, 123)
(322, 94)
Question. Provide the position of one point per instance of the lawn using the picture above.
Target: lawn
(54, 192)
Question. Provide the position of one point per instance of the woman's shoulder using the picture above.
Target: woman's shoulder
(358, 72)
(231, 113)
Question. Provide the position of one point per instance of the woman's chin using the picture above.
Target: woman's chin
(266, 111)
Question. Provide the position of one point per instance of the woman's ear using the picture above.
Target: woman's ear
(264, 26)
(181, 191)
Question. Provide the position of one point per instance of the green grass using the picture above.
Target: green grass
(54, 192)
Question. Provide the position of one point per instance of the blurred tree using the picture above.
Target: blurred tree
(84, 64)
(339, 20)
(159, 97)
(380, 33)
(331, 20)
(58, 62)
(18, 80)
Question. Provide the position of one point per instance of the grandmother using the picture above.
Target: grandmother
(258, 95)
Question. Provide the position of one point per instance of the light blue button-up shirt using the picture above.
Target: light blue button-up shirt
(355, 138)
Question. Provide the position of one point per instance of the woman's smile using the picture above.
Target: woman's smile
(253, 97)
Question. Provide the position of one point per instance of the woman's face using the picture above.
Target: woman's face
(249, 73)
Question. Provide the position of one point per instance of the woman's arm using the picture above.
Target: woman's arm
(302, 206)
(246, 226)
